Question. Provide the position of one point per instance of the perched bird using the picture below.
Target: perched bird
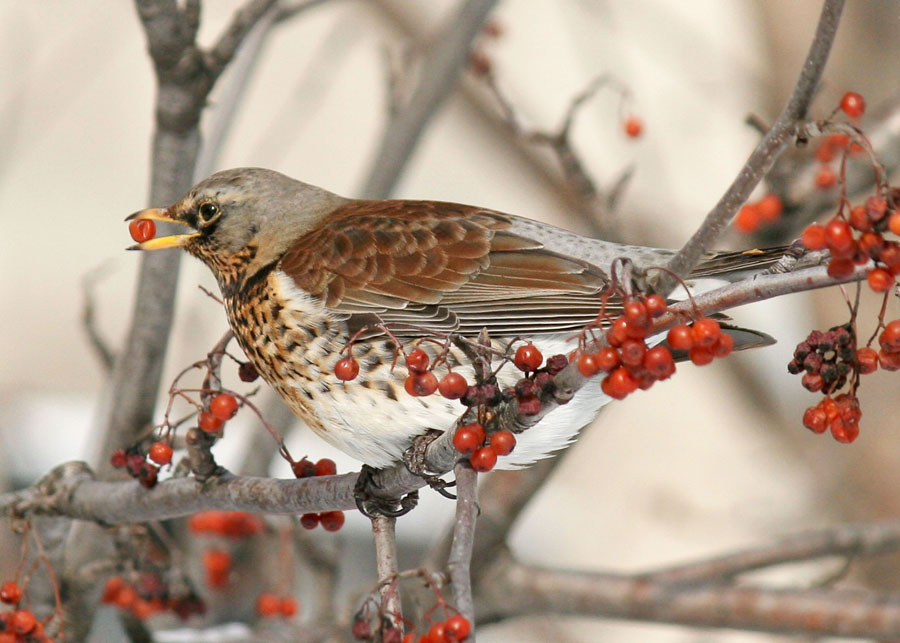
(302, 270)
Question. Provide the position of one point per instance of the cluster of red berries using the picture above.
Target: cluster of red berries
(269, 604)
(857, 239)
(456, 628)
(537, 380)
(136, 464)
(20, 625)
(758, 213)
(222, 408)
(233, 524)
(842, 414)
(421, 380)
(854, 106)
(150, 596)
(142, 230)
(304, 468)
(483, 450)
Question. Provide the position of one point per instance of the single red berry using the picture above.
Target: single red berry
(126, 597)
(483, 459)
(217, 560)
(118, 459)
(635, 312)
(247, 372)
(23, 621)
(453, 386)
(618, 332)
(659, 363)
(890, 336)
(209, 422)
(161, 453)
(748, 218)
(10, 592)
(309, 521)
(880, 280)
(894, 222)
(839, 237)
(288, 607)
(853, 105)
(331, 520)
(844, 432)
(528, 358)
(421, 384)
(268, 604)
(840, 268)
(466, 440)
(769, 208)
(457, 628)
(815, 419)
(866, 357)
(608, 358)
(889, 360)
(859, 219)
(621, 383)
(587, 364)
(417, 361)
(701, 355)
(437, 633)
(632, 352)
(633, 126)
(825, 178)
(706, 332)
(326, 467)
(142, 230)
(656, 305)
(223, 406)
(503, 442)
(812, 382)
(889, 255)
(112, 588)
(303, 468)
(813, 237)
(346, 369)
(724, 346)
(680, 337)
(870, 245)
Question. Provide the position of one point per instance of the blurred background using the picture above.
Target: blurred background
(712, 460)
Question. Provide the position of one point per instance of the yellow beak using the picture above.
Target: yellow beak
(160, 243)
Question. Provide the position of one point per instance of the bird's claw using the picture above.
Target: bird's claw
(414, 459)
(371, 506)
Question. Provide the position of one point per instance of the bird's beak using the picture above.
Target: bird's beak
(160, 243)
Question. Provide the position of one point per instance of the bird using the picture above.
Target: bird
(303, 271)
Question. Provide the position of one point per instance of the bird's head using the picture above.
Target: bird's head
(241, 220)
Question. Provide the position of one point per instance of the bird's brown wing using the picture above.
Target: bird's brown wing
(404, 264)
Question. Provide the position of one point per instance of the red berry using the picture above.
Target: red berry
(889, 255)
(288, 607)
(853, 105)
(247, 372)
(309, 521)
(587, 364)
(769, 208)
(23, 621)
(825, 152)
(680, 337)
(659, 363)
(635, 312)
(267, 604)
(894, 222)
(621, 383)
(633, 126)
(880, 280)
(483, 459)
(417, 361)
(608, 358)
(632, 352)
(890, 336)
(216, 561)
(332, 520)
(859, 219)
(844, 432)
(161, 453)
(421, 384)
(839, 237)
(223, 406)
(453, 386)
(618, 332)
(813, 237)
(812, 382)
(112, 588)
(870, 245)
(346, 369)
(825, 178)
(706, 332)
(656, 305)
(457, 628)
(303, 468)
(840, 268)
(503, 442)
(10, 592)
(866, 357)
(142, 230)
(437, 633)
(815, 419)
(889, 360)
(209, 422)
(701, 355)
(528, 358)
(748, 219)
(118, 459)
(326, 467)
(724, 346)
(466, 440)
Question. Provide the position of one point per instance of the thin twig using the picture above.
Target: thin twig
(386, 565)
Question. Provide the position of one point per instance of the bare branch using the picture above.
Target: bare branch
(386, 565)
(97, 341)
(460, 561)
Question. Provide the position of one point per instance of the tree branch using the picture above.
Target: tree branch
(459, 562)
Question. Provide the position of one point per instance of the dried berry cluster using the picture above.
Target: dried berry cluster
(135, 462)
(148, 596)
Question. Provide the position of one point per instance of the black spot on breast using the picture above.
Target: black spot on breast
(388, 389)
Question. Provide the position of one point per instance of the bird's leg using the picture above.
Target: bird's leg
(414, 459)
(370, 505)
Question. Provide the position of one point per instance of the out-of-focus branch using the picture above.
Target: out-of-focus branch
(386, 566)
(97, 341)
(459, 562)
(437, 79)
(767, 150)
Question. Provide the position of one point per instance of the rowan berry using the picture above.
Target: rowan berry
(118, 459)
(840, 268)
(247, 372)
(825, 178)
(303, 468)
(635, 312)
(813, 237)
(815, 419)
(331, 520)
(223, 406)
(530, 405)
(23, 621)
(769, 208)
(142, 230)
(417, 361)
(859, 219)
(656, 305)
(867, 359)
(747, 219)
(608, 358)
(453, 386)
(853, 105)
(701, 355)
(620, 383)
(658, 362)
(618, 332)
(268, 604)
(209, 422)
(876, 208)
(421, 384)
(161, 453)
(528, 358)
(346, 369)
(437, 633)
(680, 337)
(457, 628)
(632, 352)
(10, 592)
(894, 222)
(587, 364)
(466, 439)
(706, 332)
(839, 237)
(724, 346)
(890, 336)
(326, 467)
(288, 607)
(633, 126)
(503, 442)
(483, 459)
(309, 521)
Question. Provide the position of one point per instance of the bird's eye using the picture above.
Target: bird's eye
(208, 211)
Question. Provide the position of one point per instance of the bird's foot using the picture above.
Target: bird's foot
(414, 459)
(371, 506)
